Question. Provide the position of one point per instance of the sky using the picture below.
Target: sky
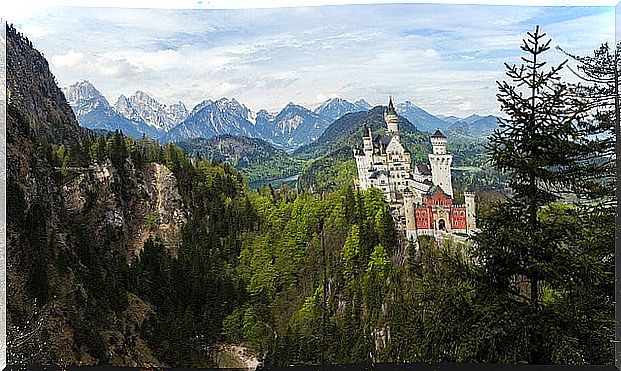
(443, 58)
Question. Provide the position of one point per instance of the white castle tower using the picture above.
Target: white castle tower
(440, 163)
(471, 213)
(392, 120)
(421, 196)
(410, 214)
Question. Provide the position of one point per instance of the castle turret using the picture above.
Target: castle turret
(410, 216)
(367, 140)
(392, 120)
(440, 163)
(471, 211)
(438, 143)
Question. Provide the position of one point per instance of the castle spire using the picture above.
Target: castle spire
(391, 106)
(392, 119)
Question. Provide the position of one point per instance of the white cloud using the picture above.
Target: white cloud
(222, 89)
(430, 53)
(465, 106)
(32, 30)
(118, 68)
(70, 59)
(266, 58)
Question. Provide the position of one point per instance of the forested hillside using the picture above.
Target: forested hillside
(255, 158)
(124, 252)
(87, 215)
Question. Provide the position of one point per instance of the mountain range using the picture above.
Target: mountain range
(94, 112)
(143, 107)
(292, 127)
(348, 130)
(257, 159)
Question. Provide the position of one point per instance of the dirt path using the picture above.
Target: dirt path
(235, 356)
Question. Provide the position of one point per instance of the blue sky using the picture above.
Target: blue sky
(444, 58)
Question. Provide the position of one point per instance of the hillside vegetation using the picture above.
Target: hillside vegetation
(124, 252)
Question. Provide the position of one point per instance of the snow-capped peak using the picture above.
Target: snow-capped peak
(83, 98)
(143, 107)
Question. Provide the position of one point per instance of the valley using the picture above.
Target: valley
(148, 234)
(273, 148)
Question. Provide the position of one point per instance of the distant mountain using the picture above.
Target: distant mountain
(84, 98)
(348, 131)
(423, 120)
(363, 104)
(263, 124)
(335, 108)
(142, 107)
(237, 151)
(292, 127)
(475, 126)
(449, 119)
(94, 112)
(470, 119)
(295, 125)
(209, 118)
(256, 158)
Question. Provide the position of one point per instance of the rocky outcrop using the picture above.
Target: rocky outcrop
(71, 233)
(154, 209)
(142, 107)
(162, 210)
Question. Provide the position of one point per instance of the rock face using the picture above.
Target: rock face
(32, 95)
(209, 118)
(336, 108)
(163, 210)
(70, 237)
(143, 107)
(94, 112)
(154, 211)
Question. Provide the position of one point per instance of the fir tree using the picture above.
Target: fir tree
(536, 147)
(599, 88)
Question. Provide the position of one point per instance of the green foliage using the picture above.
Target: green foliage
(253, 157)
(600, 71)
(533, 254)
(283, 263)
(536, 146)
(328, 173)
(307, 278)
(150, 220)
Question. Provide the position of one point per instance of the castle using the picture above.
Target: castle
(421, 198)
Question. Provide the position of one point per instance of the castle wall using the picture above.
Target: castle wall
(458, 218)
(470, 211)
(383, 163)
(424, 218)
(441, 172)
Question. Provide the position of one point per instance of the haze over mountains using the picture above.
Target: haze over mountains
(292, 127)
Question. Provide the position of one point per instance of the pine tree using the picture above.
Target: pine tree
(599, 75)
(560, 251)
(600, 72)
(536, 147)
